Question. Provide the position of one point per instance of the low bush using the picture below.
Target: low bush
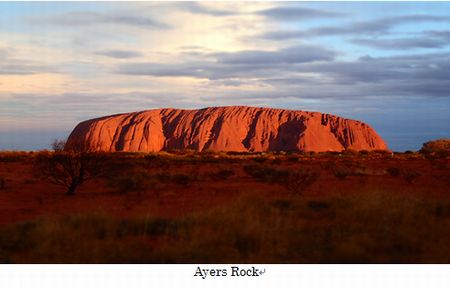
(14, 156)
(437, 148)
(293, 158)
(299, 180)
(222, 174)
(176, 178)
(382, 153)
(154, 161)
(267, 173)
(2, 183)
(282, 204)
(318, 205)
(182, 178)
(364, 152)
(350, 152)
(134, 180)
(29, 181)
(330, 154)
(238, 153)
(259, 159)
(276, 161)
(393, 171)
(295, 180)
(410, 176)
(341, 172)
(311, 153)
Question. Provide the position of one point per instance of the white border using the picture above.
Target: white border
(148, 275)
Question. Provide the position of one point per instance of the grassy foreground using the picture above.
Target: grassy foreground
(368, 227)
(188, 207)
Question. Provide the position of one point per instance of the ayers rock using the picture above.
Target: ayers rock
(235, 128)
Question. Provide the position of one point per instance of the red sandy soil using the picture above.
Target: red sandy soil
(26, 197)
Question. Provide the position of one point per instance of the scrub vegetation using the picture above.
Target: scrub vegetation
(190, 207)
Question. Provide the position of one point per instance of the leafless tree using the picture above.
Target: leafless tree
(69, 168)
(299, 180)
(58, 145)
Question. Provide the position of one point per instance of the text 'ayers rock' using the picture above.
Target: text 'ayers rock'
(224, 129)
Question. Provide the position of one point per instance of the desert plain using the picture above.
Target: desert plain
(223, 207)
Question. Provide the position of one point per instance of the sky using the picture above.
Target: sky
(384, 63)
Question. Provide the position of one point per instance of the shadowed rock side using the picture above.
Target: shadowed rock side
(224, 129)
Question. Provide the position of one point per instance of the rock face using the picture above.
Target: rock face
(224, 129)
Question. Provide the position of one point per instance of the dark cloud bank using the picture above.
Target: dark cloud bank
(423, 75)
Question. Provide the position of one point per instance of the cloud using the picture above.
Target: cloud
(379, 26)
(10, 65)
(297, 14)
(4, 53)
(424, 75)
(197, 8)
(249, 63)
(402, 43)
(369, 69)
(309, 72)
(291, 55)
(20, 67)
(283, 35)
(163, 70)
(291, 81)
(444, 35)
(119, 54)
(383, 25)
(88, 18)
